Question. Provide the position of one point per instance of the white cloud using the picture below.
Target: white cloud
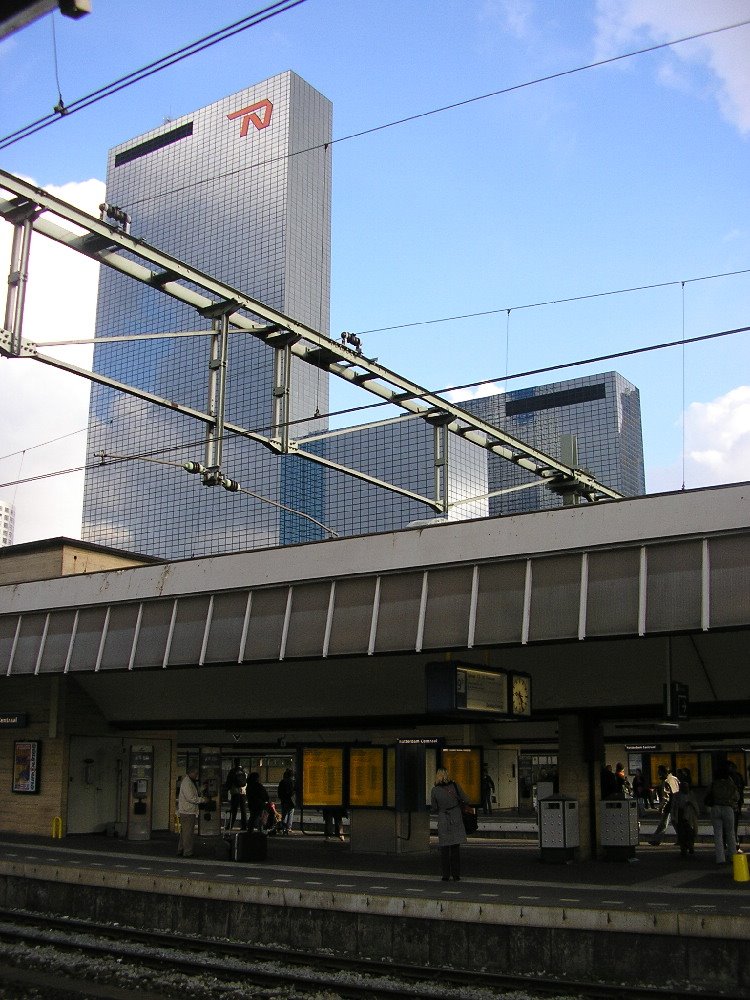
(43, 411)
(474, 392)
(717, 445)
(718, 438)
(622, 24)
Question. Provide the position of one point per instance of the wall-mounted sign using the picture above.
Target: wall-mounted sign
(322, 776)
(366, 776)
(26, 766)
(461, 688)
(13, 720)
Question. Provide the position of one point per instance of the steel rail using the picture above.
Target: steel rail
(194, 954)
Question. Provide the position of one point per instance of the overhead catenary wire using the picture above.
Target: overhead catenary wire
(422, 114)
(176, 334)
(258, 17)
(454, 388)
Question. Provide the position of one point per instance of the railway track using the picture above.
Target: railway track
(63, 958)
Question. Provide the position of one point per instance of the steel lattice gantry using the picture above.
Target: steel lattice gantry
(31, 210)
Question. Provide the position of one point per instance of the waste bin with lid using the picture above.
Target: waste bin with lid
(619, 829)
(559, 834)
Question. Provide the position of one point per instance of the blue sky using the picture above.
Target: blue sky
(630, 174)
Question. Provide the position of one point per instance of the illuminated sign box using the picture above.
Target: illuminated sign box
(460, 687)
(323, 776)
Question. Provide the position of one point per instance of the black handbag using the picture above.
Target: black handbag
(469, 816)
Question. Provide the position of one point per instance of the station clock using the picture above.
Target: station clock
(519, 695)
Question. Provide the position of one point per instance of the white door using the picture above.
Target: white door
(95, 783)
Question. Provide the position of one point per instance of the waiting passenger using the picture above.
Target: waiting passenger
(237, 791)
(286, 791)
(722, 798)
(670, 786)
(488, 790)
(739, 781)
(188, 807)
(257, 797)
(333, 822)
(685, 811)
(446, 800)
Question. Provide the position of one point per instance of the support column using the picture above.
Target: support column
(22, 219)
(576, 764)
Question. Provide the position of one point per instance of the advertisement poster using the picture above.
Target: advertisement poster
(26, 766)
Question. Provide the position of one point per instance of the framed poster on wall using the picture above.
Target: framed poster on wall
(26, 766)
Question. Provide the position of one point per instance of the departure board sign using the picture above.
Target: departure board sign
(464, 766)
(366, 776)
(322, 776)
(481, 690)
(463, 689)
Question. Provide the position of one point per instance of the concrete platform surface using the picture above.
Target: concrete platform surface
(494, 870)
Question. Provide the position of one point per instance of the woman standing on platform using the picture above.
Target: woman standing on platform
(446, 800)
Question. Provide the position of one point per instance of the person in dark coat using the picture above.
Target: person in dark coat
(722, 798)
(739, 781)
(237, 790)
(488, 790)
(685, 812)
(446, 800)
(257, 797)
(286, 792)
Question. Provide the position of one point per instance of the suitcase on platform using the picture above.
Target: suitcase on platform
(249, 846)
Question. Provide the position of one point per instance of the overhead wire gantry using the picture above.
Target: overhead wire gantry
(30, 210)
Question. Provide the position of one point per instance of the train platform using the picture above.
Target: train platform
(687, 918)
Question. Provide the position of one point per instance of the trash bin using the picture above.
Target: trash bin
(619, 829)
(559, 834)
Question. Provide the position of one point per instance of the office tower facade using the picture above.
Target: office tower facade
(241, 191)
(7, 523)
(602, 413)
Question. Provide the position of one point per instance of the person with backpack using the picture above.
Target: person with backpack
(721, 799)
(237, 791)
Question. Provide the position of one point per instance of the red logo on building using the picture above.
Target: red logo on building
(259, 114)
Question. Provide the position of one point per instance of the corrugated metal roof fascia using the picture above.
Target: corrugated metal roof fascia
(630, 522)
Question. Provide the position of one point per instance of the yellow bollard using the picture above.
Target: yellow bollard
(740, 869)
(56, 830)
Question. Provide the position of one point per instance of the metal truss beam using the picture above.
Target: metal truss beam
(142, 262)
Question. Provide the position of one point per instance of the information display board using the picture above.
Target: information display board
(464, 766)
(366, 776)
(322, 776)
(481, 690)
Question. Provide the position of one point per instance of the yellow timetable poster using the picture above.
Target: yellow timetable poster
(463, 766)
(366, 776)
(323, 776)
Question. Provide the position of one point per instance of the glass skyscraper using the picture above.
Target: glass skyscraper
(241, 191)
(601, 412)
(399, 451)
